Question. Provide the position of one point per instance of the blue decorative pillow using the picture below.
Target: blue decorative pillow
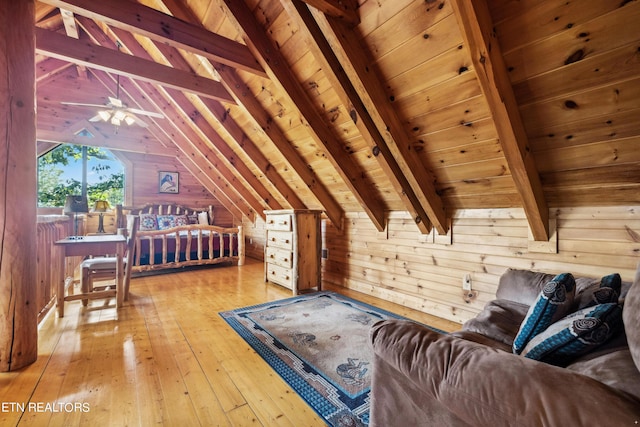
(553, 303)
(608, 291)
(576, 334)
(166, 221)
(148, 222)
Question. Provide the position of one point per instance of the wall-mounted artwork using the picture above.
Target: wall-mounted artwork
(168, 182)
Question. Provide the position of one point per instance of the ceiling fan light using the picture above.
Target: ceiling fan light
(120, 115)
(129, 120)
(115, 121)
(104, 115)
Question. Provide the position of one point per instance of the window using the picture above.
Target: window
(74, 169)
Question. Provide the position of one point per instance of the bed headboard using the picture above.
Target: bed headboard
(159, 209)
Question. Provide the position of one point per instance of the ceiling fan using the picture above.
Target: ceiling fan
(117, 112)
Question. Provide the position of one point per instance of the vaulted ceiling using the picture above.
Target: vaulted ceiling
(369, 106)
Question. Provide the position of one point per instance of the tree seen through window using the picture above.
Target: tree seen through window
(60, 173)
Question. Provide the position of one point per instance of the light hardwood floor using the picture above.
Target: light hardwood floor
(166, 358)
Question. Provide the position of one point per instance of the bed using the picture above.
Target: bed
(172, 236)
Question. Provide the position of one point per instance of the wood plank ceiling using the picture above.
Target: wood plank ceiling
(422, 106)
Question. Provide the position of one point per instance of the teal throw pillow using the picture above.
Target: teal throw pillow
(576, 334)
(553, 303)
(608, 291)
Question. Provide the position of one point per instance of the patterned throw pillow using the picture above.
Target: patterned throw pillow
(553, 303)
(148, 222)
(181, 220)
(576, 334)
(166, 221)
(608, 291)
(193, 218)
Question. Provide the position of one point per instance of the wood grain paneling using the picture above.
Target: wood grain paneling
(405, 269)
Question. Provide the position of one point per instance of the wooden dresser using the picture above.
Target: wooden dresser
(292, 249)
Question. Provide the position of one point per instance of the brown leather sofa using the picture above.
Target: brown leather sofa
(472, 377)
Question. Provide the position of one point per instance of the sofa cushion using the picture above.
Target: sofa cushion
(632, 319)
(576, 334)
(613, 368)
(522, 286)
(499, 320)
(148, 222)
(553, 303)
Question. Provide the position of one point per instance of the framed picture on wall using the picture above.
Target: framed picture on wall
(168, 182)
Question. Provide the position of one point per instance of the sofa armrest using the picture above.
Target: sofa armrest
(486, 386)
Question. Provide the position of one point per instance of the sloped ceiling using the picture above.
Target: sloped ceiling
(366, 106)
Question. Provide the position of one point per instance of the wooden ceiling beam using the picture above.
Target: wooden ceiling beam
(183, 138)
(69, 22)
(281, 74)
(42, 11)
(97, 57)
(345, 10)
(166, 137)
(263, 120)
(208, 136)
(74, 135)
(173, 57)
(216, 176)
(48, 68)
(207, 182)
(198, 164)
(301, 15)
(477, 30)
(242, 94)
(242, 140)
(137, 18)
(368, 83)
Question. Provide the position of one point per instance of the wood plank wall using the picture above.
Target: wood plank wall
(143, 177)
(404, 269)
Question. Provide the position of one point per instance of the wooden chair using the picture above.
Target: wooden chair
(104, 268)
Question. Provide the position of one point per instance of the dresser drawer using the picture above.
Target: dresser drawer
(281, 257)
(280, 275)
(280, 239)
(278, 222)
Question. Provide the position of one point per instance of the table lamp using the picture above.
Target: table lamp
(101, 206)
(75, 204)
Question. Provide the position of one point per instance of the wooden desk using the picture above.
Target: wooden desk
(101, 245)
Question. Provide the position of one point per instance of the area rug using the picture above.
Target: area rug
(318, 343)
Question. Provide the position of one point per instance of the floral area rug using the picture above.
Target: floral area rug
(318, 343)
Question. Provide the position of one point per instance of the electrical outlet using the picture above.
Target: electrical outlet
(466, 282)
